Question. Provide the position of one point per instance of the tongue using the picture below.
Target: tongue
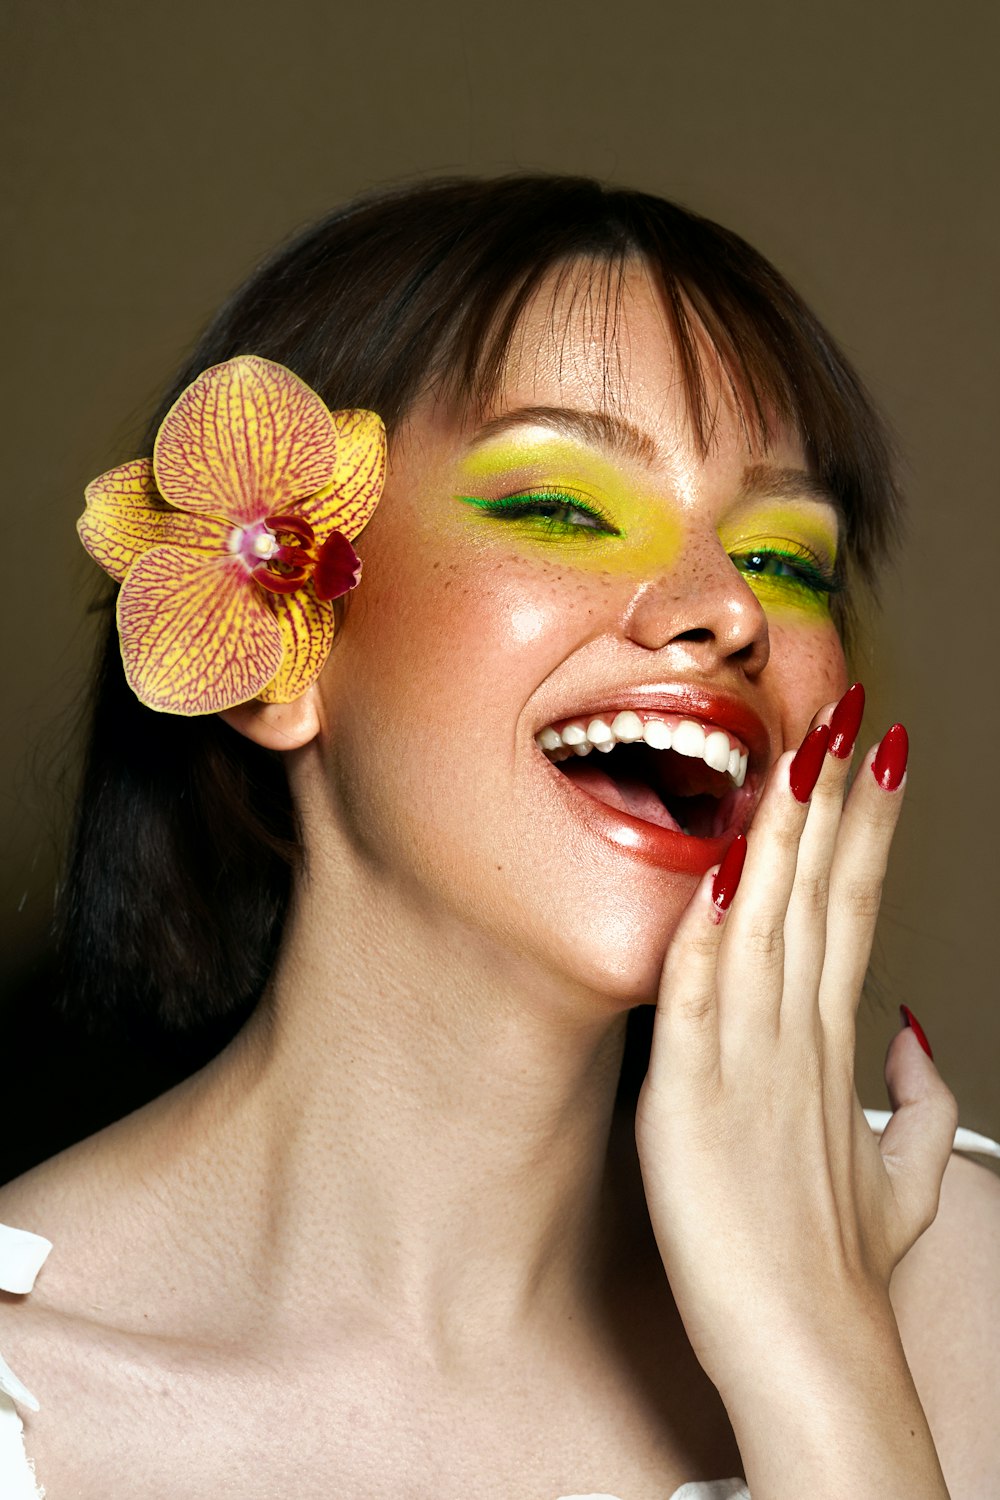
(627, 796)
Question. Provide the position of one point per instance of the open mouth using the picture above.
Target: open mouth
(686, 776)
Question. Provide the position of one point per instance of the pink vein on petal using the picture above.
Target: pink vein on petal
(307, 629)
(349, 500)
(246, 438)
(196, 634)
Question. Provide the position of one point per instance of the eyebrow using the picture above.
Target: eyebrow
(769, 482)
(598, 429)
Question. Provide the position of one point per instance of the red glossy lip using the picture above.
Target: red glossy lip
(664, 847)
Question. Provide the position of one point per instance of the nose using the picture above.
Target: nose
(703, 612)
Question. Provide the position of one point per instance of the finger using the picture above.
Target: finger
(857, 875)
(917, 1141)
(753, 957)
(686, 1027)
(806, 921)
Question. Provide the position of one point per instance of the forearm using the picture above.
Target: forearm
(833, 1414)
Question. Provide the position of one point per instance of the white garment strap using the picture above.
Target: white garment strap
(697, 1489)
(22, 1256)
(715, 1489)
(965, 1140)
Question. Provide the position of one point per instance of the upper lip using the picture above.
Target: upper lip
(708, 705)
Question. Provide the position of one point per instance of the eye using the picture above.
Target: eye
(789, 565)
(555, 510)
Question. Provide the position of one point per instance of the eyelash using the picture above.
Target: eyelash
(805, 569)
(535, 505)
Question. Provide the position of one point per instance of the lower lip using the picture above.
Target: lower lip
(646, 841)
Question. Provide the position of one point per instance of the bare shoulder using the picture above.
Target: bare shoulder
(45, 1335)
(111, 1398)
(946, 1294)
(61, 1199)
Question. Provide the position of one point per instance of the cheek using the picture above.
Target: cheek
(481, 632)
(807, 669)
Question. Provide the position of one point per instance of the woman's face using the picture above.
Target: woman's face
(566, 559)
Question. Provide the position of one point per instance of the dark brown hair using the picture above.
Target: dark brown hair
(185, 844)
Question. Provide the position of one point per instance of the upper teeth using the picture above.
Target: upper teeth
(662, 732)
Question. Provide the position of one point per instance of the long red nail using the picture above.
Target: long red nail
(889, 765)
(803, 773)
(728, 876)
(846, 721)
(909, 1019)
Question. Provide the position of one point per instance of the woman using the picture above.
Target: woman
(397, 1237)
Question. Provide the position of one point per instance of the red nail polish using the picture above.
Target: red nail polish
(803, 773)
(846, 721)
(909, 1019)
(889, 765)
(728, 876)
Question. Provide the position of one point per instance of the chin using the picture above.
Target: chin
(608, 948)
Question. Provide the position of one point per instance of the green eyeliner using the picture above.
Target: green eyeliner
(805, 572)
(530, 507)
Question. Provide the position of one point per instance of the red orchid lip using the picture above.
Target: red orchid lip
(663, 847)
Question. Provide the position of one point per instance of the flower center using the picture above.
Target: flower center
(281, 554)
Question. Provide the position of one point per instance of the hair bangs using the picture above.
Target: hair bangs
(725, 342)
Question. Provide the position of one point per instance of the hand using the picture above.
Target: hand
(778, 1214)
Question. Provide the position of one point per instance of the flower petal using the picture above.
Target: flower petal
(246, 439)
(348, 500)
(338, 567)
(125, 517)
(196, 634)
(307, 626)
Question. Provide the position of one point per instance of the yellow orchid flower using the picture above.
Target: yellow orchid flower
(232, 541)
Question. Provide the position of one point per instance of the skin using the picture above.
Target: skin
(396, 1224)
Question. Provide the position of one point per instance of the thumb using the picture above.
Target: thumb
(917, 1141)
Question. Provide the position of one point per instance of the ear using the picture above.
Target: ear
(277, 726)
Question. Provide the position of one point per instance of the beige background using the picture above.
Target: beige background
(159, 149)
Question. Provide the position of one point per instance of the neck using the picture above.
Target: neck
(420, 1111)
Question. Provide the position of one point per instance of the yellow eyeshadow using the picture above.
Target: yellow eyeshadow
(539, 451)
(781, 595)
(648, 535)
(776, 528)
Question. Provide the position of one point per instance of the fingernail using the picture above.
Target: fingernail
(728, 876)
(909, 1019)
(803, 773)
(846, 721)
(889, 765)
